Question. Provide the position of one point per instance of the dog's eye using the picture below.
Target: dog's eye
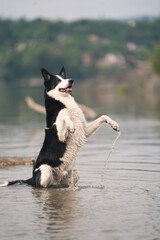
(58, 80)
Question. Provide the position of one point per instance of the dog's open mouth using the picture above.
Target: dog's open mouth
(66, 90)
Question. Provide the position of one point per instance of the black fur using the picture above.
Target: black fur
(28, 181)
(51, 81)
(52, 109)
(52, 149)
(63, 73)
(36, 180)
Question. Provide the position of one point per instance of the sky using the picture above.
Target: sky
(70, 10)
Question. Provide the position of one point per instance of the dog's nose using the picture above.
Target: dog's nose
(71, 81)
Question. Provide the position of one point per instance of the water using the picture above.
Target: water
(128, 207)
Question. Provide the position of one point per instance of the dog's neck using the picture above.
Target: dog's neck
(54, 104)
(66, 99)
(52, 109)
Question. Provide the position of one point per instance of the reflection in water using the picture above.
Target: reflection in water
(126, 208)
(58, 211)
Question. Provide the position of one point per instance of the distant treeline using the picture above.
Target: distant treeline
(86, 48)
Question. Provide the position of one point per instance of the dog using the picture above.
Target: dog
(66, 131)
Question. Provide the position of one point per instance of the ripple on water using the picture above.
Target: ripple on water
(127, 207)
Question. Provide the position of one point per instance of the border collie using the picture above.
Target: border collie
(66, 131)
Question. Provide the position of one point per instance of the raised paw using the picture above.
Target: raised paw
(115, 125)
(71, 127)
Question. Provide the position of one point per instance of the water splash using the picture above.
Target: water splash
(109, 154)
(73, 187)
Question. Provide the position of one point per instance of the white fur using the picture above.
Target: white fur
(73, 128)
(64, 125)
(46, 175)
(63, 84)
(55, 176)
(4, 184)
(62, 79)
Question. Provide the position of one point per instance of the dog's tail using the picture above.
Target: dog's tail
(28, 181)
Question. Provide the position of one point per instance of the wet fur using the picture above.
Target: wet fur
(66, 131)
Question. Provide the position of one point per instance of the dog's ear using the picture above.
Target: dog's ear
(45, 74)
(63, 72)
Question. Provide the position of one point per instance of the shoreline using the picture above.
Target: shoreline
(14, 161)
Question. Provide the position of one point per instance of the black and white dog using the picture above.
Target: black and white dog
(66, 131)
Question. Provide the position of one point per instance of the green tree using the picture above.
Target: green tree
(156, 59)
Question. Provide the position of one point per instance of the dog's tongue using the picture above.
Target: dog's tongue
(68, 89)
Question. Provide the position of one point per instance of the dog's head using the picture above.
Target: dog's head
(57, 85)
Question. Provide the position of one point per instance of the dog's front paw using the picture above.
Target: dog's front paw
(71, 127)
(114, 125)
(111, 122)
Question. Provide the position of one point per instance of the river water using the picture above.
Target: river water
(128, 207)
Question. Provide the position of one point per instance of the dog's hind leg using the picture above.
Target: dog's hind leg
(43, 176)
(68, 178)
(95, 125)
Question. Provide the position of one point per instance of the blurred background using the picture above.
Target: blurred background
(110, 48)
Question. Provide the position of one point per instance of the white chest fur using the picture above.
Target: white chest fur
(71, 126)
